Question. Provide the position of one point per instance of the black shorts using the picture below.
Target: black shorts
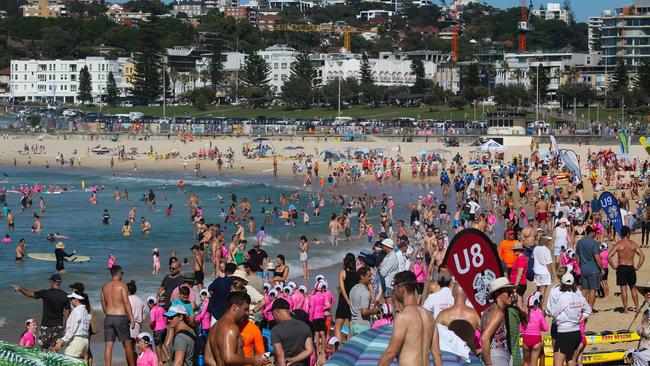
(420, 288)
(521, 289)
(117, 326)
(553, 330)
(319, 325)
(625, 276)
(604, 277)
(198, 277)
(159, 336)
(567, 343)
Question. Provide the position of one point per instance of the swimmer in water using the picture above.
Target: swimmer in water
(145, 226)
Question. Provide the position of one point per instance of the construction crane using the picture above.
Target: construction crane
(524, 26)
(455, 29)
(325, 28)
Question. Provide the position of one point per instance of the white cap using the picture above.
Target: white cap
(416, 223)
(563, 221)
(273, 292)
(152, 299)
(535, 297)
(320, 284)
(302, 288)
(75, 295)
(319, 277)
(288, 288)
(267, 285)
(205, 292)
(388, 243)
(292, 284)
(567, 278)
(333, 340)
(145, 337)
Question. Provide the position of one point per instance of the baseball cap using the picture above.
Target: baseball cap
(116, 268)
(75, 295)
(567, 279)
(144, 336)
(78, 286)
(333, 341)
(55, 278)
(280, 304)
(152, 299)
(29, 321)
(175, 310)
(535, 297)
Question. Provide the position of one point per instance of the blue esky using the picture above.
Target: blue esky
(582, 8)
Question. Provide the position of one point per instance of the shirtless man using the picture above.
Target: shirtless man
(334, 228)
(117, 195)
(198, 266)
(241, 233)
(541, 212)
(460, 312)
(625, 269)
(20, 250)
(415, 333)
(131, 215)
(225, 341)
(624, 202)
(145, 226)
(116, 306)
(529, 235)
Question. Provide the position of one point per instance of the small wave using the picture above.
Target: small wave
(3, 322)
(174, 182)
(270, 241)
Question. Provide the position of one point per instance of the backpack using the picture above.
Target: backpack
(199, 345)
(530, 272)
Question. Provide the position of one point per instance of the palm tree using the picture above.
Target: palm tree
(489, 70)
(194, 75)
(173, 78)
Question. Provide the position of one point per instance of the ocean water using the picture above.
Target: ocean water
(71, 214)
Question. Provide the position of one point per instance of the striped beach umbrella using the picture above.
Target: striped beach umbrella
(365, 349)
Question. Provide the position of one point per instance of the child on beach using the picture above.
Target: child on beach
(386, 316)
(146, 356)
(28, 338)
(156, 261)
(371, 233)
(6, 239)
(203, 318)
(420, 270)
(604, 252)
(168, 213)
(532, 332)
(111, 261)
(158, 324)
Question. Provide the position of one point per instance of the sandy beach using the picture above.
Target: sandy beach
(79, 148)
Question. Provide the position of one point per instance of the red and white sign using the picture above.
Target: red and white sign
(473, 260)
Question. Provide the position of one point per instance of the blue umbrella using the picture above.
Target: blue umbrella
(365, 349)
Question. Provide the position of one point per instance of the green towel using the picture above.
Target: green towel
(513, 335)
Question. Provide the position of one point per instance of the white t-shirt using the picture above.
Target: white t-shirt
(439, 301)
(541, 258)
(474, 207)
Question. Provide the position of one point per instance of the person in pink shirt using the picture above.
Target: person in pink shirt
(111, 261)
(268, 315)
(420, 270)
(307, 299)
(319, 304)
(287, 296)
(603, 260)
(532, 334)
(298, 299)
(146, 357)
(28, 338)
(386, 316)
(156, 261)
(203, 318)
(158, 324)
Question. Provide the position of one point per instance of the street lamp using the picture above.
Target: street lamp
(340, 64)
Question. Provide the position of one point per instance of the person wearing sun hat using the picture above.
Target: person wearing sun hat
(389, 266)
(495, 343)
(60, 255)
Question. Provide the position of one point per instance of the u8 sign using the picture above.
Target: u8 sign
(473, 260)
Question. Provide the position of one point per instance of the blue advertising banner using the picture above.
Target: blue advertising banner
(609, 203)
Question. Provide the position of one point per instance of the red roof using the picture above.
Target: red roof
(5, 71)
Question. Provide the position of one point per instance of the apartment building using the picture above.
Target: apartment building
(44, 9)
(625, 34)
(552, 11)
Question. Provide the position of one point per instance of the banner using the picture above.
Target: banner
(473, 260)
(644, 142)
(554, 147)
(570, 159)
(609, 203)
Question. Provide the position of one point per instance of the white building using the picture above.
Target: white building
(58, 80)
(552, 11)
(280, 58)
(595, 25)
(372, 15)
(558, 66)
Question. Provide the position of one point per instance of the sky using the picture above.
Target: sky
(582, 8)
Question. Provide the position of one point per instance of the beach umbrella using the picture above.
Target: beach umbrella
(261, 139)
(289, 148)
(13, 354)
(366, 348)
(300, 147)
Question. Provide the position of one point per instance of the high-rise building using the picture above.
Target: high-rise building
(44, 9)
(626, 34)
(593, 33)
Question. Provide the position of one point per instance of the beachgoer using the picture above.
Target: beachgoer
(119, 318)
(146, 356)
(361, 308)
(28, 338)
(291, 338)
(626, 250)
(77, 330)
(588, 252)
(494, 335)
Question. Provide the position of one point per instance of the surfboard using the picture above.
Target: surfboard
(51, 258)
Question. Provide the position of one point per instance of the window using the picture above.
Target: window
(275, 77)
(73, 88)
(73, 77)
(284, 77)
(41, 77)
(284, 66)
(41, 88)
(275, 65)
(73, 68)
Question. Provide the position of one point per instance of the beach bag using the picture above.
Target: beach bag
(94, 324)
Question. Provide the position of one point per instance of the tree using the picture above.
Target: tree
(299, 89)
(511, 95)
(147, 81)
(303, 68)
(566, 5)
(215, 69)
(85, 88)
(255, 73)
(365, 70)
(544, 81)
(470, 82)
(111, 90)
(620, 79)
(417, 69)
(582, 93)
(642, 81)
